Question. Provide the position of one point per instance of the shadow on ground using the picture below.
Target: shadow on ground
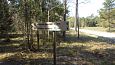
(10, 47)
(69, 54)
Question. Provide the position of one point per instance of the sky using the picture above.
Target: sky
(87, 8)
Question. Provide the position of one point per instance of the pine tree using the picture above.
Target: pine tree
(6, 20)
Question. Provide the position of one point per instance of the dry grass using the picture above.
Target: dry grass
(88, 50)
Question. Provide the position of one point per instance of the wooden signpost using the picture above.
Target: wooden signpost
(54, 27)
(51, 26)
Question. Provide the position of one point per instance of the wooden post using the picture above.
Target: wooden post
(54, 47)
(38, 39)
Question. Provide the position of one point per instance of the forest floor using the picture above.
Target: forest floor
(87, 50)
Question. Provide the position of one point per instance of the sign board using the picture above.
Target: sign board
(51, 26)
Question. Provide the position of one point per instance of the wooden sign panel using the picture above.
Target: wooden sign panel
(52, 26)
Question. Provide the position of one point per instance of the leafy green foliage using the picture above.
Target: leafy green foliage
(71, 21)
(107, 14)
(6, 23)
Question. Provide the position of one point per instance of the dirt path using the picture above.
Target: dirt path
(98, 33)
(105, 35)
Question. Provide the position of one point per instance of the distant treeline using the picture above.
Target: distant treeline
(105, 19)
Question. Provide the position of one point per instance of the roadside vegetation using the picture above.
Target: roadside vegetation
(104, 22)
